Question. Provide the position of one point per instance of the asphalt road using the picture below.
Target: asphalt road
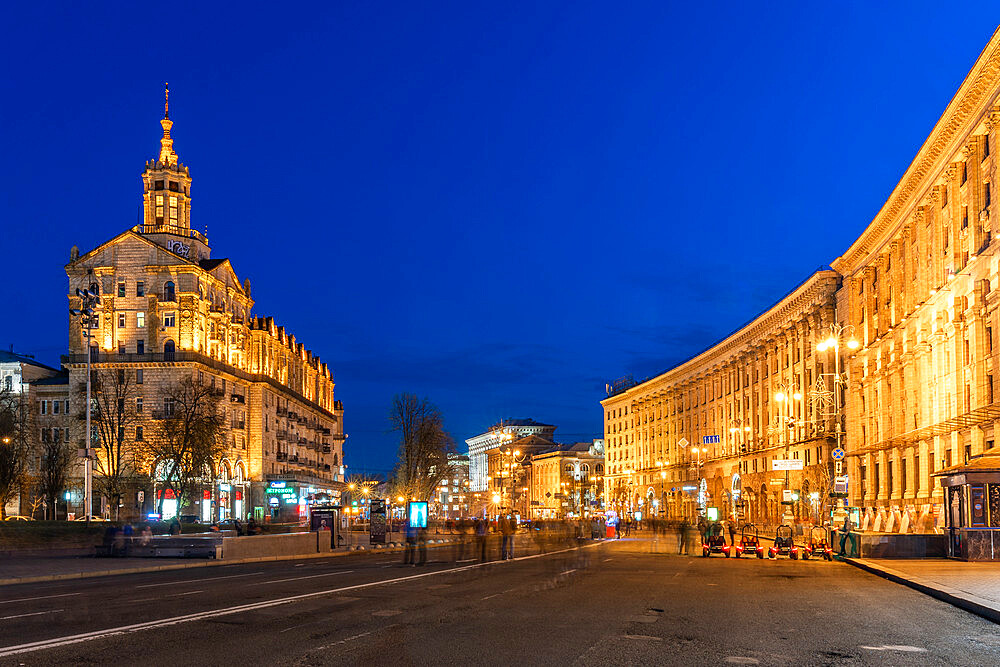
(612, 603)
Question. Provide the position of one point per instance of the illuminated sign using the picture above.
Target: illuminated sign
(713, 513)
(416, 514)
(277, 485)
(224, 487)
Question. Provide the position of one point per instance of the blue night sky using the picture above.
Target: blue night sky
(499, 206)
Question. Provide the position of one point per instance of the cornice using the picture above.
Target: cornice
(950, 134)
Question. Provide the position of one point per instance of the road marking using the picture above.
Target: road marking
(607, 559)
(35, 613)
(69, 640)
(300, 565)
(344, 641)
(646, 637)
(467, 560)
(893, 647)
(177, 595)
(490, 596)
(308, 576)
(742, 660)
(567, 571)
(40, 597)
(191, 581)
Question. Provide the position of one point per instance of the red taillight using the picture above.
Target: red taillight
(725, 548)
(795, 548)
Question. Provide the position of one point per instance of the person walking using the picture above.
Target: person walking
(422, 546)
(481, 528)
(732, 531)
(507, 528)
(846, 531)
(410, 556)
(682, 536)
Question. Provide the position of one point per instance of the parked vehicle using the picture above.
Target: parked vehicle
(818, 545)
(749, 542)
(715, 542)
(784, 545)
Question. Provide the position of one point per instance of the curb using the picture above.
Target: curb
(965, 601)
(187, 566)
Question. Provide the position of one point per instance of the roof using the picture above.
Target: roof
(13, 357)
(988, 462)
(209, 264)
(62, 378)
(520, 422)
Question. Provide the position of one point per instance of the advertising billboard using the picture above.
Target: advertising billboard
(416, 513)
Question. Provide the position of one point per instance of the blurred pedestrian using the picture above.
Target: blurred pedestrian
(846, 531)
(146, 536)
(507, 527)
(410, 554)
(481, 528)
(682, 536)
(732, 531)
(422, 545)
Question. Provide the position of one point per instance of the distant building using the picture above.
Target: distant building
(17, 370)
(566, 482)
(497, 434)
(452, 497)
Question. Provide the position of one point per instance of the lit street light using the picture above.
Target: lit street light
(88, 302)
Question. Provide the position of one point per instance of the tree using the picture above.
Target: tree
(115, 416)
(190, 437)
(14, 427)
(424, 445)
(55, 461)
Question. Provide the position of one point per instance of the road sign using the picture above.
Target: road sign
(838, 453)
(683, 442)
(786, 464)
(840, 484)
(838, 467)
(710, 440)
(140, 495)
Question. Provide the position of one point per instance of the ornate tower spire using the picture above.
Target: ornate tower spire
(167, 154)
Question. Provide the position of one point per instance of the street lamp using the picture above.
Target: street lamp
(833, 342)
(88, 302)
(786, 396)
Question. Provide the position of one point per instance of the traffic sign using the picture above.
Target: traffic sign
(838, 453)
(709, 439)
(683, 442)
(838, 467)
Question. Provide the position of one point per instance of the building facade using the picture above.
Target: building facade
(479, 481)
(566, 482)
(920, 292)
(707, 432)
(170, 312)
(909, 315)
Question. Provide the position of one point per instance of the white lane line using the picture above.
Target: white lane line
(36, 613)
(345, 640)
(490, 596)
(40, 597)
(308, 576)
(894, 647)
(228, 611)
(177, 595)
(567, 571)
(607, 559)
(467, 560)
(646, 637)
(192, 581)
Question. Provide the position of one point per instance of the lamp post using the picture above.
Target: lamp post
(88, 302)
(510, 460)
(786, 396)
(833, 342)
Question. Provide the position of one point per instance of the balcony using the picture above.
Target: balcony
(171, 229)
(282, 411)
(281, 435)
(240, 425)
(237, 398)
(281, 456)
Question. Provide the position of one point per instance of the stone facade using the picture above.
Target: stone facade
(170, 311)
(479, 477)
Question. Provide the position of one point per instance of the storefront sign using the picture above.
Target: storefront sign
(786, 464)
(225, 487)
(277, 485)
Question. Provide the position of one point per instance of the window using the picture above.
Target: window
(140, 320)
(138, 405)
(168, 406)
(168, 351)
(95, 321)
(140, 347)
(121, 348)
(140, 288)
(965, 217)
(173, 209)
(158, 185)
(121, 289)
(986, 146)
(138, 376)
(55, 407)
(121, 320)
(44, 407)
(168, 291)
(965, 173)
(138, 433)
(902, 476)
(916, 474)
(987, 194)
(169, 319)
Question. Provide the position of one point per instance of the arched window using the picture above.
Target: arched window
(239, 476)
(336, 459)
(599, 469)
(584, 467)
(168, 350)
(569, 468)
(168, 291)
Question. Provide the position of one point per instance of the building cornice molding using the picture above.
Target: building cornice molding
(971, 105)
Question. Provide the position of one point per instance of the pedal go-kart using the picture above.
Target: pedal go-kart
(783, 544)
(715, 543)
(749, 542)
(817, 545)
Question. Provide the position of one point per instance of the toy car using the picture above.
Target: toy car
(715, 543)
(783, 543)
(749, 542)
(818, 545)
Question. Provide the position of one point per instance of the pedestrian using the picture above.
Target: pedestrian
(422, 546)
(845, 532)
(175, 526)
(251, 526)
(732, 531)
(146, 536)
(410, 555)
(481, 528)
(682, 536)
(507, 527)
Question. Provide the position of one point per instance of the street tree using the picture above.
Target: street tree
(55, 459)
(189, 439)
(14, 428)
(115, 417)
(424, 446)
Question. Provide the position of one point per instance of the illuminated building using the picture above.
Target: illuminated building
(171, 311)
(497, 434)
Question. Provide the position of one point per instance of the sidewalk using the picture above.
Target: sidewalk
(974, 587)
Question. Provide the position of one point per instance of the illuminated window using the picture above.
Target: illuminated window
(121, 289)
(140, 320)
